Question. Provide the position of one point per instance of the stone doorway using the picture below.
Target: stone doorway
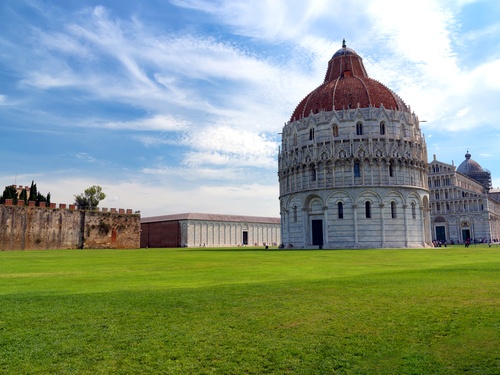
(440, 233)
(317, 232)
(465, 234)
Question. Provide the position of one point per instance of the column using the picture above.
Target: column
(371, 172)
(355, 206)
(325, 225)
(383, 223)
(316, 168)
(422, 224)
(304, 226)
(406, 225)
(324, 175)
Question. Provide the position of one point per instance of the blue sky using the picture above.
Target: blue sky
(175, 106)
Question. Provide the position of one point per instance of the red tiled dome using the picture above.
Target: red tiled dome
(346, 85)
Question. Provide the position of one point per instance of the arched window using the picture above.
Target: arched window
(359, 129)
(391, 170)
(394, 214)
(341, 210)
(447, 207)
(335, 130)
(382, 128)
(368, 210)
(413, 211)
(313, 174)
(311, 134)
(356, 170)
(295, 213)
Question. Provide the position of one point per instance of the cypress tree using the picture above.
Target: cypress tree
(24, 196)
(33, 192)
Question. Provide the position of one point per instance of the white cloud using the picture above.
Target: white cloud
(158, 122)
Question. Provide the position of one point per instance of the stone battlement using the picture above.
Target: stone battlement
(8, 202)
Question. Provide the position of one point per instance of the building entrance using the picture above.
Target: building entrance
(317, 232)
(245, 238)
(465, 234)
(440, 234)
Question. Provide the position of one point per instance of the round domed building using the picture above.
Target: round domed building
(472, 169)
(353, 165)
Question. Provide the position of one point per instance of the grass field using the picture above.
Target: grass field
(236, 311)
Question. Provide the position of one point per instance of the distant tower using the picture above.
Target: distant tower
(353, 165)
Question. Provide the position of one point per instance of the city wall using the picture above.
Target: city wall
(37, 228)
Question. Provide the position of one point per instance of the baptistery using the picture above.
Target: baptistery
(353, 165)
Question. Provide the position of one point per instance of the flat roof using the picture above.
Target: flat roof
(212, 217)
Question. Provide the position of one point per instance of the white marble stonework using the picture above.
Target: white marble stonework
(200, 233)
(357, 157)
(461, 207)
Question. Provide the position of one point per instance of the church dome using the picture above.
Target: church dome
(346, 86)
(469, 165)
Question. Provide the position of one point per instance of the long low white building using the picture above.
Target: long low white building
(209, 230)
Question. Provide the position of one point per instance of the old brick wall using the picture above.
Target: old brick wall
(32, 228)
(105, 230)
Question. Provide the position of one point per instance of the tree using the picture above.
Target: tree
(48, 199)
(10, 192)
(33, 191)
(90, 198)
(24, 197)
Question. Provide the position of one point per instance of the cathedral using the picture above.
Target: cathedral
(463, 204)
(353, 170)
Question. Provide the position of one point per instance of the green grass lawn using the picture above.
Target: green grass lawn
(236, 311)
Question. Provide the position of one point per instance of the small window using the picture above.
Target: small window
(311, 134)
(394, 214)
(368, 210)
(335, 131)
(391, 171)
(482, 208)
(356, 170)
(413, 211)
(341, 210)
(447, 207)
(446, 195)
(313, 174)
(437, 195)
(382, 128)
(359, 129)
(295, 213)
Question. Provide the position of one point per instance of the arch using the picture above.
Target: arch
(309, 198)
(367, 194)
(293, 199)
(391, 194)
(414, 195)
(345, 194)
